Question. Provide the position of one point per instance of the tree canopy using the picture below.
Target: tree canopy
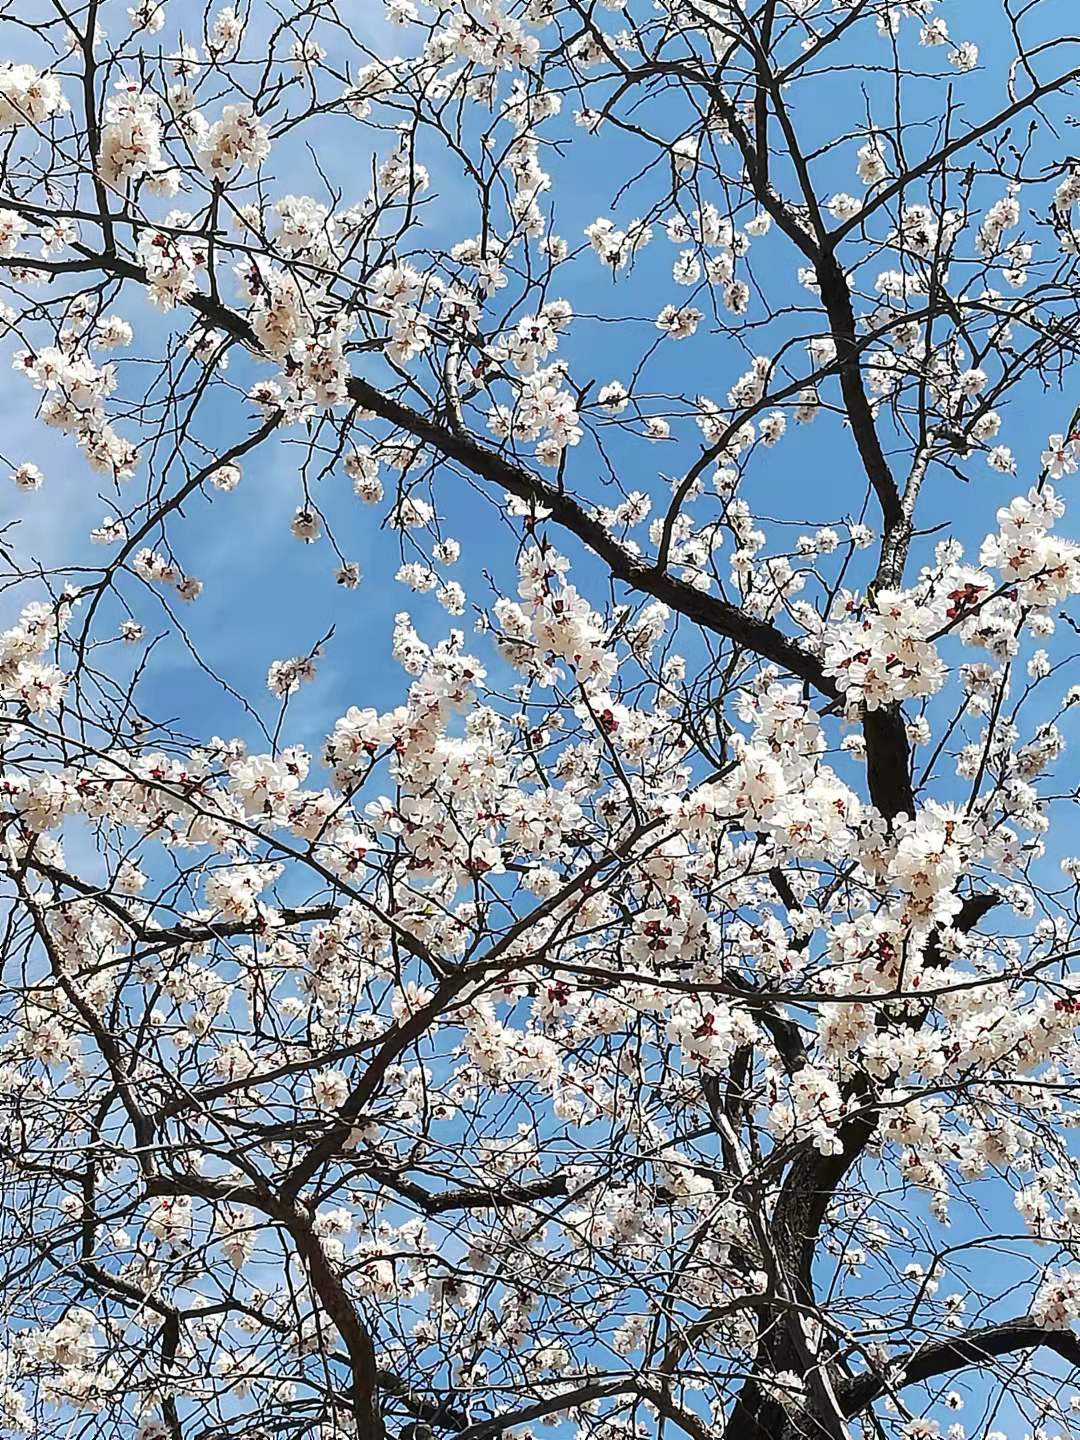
(577, 937)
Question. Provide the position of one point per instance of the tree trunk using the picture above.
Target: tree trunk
(759, 1417)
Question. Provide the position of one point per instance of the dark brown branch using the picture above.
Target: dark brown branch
(495, 1197)
(325, 1281)
(974, 1348)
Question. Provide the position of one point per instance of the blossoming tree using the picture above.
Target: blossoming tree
(659, 1013)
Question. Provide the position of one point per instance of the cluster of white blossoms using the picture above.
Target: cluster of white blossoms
(1000, 217)
(778, 783)
(1042, 568)
(28, 97)
(1050, 1205)
(546, 412)
(285, 677)
(14, 1407)
(888, 651)
(1057, 1300)
(155, 568)
(617, 247)
(131, 136)
(238, 140)
(172, 261)
(279, 315)
(75, 391)
(233, 890)
(12, 229)
(226, 32)
(70, 1357)
(26, 676)
(486, 35)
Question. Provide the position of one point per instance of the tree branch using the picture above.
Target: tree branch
(974, 1348)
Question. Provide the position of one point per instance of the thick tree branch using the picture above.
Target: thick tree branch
(974, 1348)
